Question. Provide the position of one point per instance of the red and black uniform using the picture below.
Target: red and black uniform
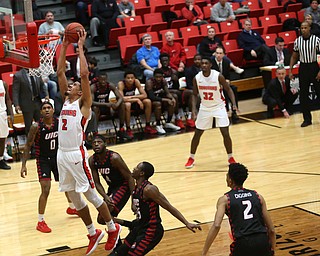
(130, 90)
(46, 146)
(101, 95)
(247, 224)
(147, 231)
(157, 92)
(167, 74)
(118, 190)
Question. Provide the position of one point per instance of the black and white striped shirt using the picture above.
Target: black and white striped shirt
(307, 48)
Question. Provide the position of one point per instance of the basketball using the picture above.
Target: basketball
(71, 32)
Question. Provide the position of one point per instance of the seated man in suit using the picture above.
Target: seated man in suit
(279, 93)
(222, 65)
(251, 42)
(277, 55)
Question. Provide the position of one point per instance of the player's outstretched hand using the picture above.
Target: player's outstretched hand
(82, 36)
(193, 227)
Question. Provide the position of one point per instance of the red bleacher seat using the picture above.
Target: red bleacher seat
(256, 13)
(153, 34)
(190, 52)
(275, 10)
(229, 26)
(128, 45)
(294, 7)
(232, 34)
(179, 23)
(230, 45)
(155, 21)
(134, 25)
(69, 53)
(275, 28)
(235, 5)
(187, 32)
(207, 12)
(236, 56)
(267, 4)
(288, 36)
(300, 15)
(141, 8)
(269, 39)
(287, 15)
(114, 34)
(204, 28)
(5, 67)
(174, 30)
(176, 4)
(159, 6)
(268, 20)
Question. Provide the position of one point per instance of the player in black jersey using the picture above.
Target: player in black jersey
(132, 101)
(101, 105)
(45, 137)
(147, 230)
(251, 225)
(115, 172)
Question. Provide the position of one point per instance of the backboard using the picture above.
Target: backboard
(16, 25)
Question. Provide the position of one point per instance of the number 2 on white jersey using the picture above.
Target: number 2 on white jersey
(246, 214)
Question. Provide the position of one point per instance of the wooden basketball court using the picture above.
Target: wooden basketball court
(283, 164)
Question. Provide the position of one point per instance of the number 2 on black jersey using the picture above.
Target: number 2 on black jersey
(246, 214)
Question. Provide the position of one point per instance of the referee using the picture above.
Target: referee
(305, 48)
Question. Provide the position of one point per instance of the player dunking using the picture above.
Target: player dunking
(115, 172)
(250, 222)
(209, 84)
(44, 135)
(147, 230)
(74, 173)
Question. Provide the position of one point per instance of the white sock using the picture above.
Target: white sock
(40, 217)
(91, 229)
(110, 225)
(1, 158)
(189, 115)
(71, 205)
(192, 156)
(229, 155)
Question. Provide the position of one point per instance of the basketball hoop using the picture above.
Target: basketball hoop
(47, 49)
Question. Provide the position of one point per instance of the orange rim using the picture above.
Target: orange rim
(42, 39)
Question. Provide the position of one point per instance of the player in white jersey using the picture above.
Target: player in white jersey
(209, 84)
(5, 102)
(74, 173)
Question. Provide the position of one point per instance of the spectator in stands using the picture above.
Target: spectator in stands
(132, 101)
(126, 9)
(222, 11)
(222, 65)
(74, 69)
(279, 93)
(104, 18)
(158, 92)
(251, 42)
(315, 28)
(208, 45)
(193, 13)
(277, 55)
(94, 71)
(176, 52)
(314, 11)
(171, 76)
(148, 56)
(103, 105)
(187, 93)
(26, 95)
(81, 9)
(50, 26)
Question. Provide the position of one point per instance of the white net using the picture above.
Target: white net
(46, 54)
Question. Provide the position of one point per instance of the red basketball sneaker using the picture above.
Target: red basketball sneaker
(71, 211)
(150, 130)
(94, 241)
(190, 123)
(231, 160)
(179, 123)
(190, 163)
(113, 237)
(43, 227)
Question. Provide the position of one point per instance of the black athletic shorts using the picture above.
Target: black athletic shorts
(252, 245)
(140, 241)
(45, 166)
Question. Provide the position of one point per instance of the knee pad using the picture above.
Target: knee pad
(93, 198)
(77, 200)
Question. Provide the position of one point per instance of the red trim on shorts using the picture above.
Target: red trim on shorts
(86, 168)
